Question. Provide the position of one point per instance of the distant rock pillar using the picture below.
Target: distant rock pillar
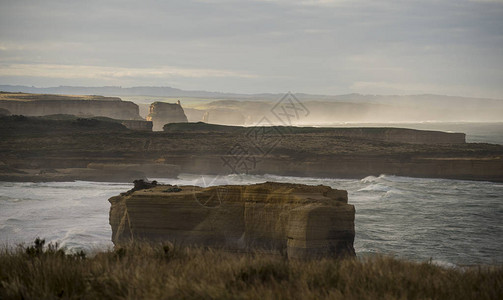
(163, 113)
(206, 116)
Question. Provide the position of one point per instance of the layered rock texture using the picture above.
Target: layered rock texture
(4, 112)
(298, 220)
(84, 106)
(162, 113)
(139, 125)
(384, 134)
(34, 144)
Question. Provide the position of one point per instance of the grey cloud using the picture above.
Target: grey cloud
(289, 45)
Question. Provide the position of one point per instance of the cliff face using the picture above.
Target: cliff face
(163, 113)
(32, 144)
(4, 112)
(384, 134)
(299, 220)
(223, 116)
(139, 125)
(402, 135)
(43, 105)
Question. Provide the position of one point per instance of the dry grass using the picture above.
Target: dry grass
(157, 272)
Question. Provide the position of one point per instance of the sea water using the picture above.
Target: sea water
(450, 222)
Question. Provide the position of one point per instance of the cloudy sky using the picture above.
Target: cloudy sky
(450, 47)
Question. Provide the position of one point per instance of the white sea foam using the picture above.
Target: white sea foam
(369, 179)
(375, 188)
(450, 221)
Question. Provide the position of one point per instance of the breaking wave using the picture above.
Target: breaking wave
(451, 222)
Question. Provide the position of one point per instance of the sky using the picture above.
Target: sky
(452, 47)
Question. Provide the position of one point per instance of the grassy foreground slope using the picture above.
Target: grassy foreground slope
(157, 272)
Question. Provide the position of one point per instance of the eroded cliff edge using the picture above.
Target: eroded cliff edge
(82, 106)
(299, 220)
(30, 146)
(164, 113)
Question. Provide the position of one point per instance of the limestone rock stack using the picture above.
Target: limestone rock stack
(298, 220)
(162, 113)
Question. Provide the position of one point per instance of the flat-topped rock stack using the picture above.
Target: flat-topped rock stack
(162, 113)
(298, 220)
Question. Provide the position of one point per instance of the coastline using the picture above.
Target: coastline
(34, 149)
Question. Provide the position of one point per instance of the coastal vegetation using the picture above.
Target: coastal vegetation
(144, 271)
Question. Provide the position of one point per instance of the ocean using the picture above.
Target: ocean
(450, 222)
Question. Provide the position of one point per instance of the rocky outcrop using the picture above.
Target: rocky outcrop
(163, 113)
(230, 112)
(193, 114)
(300, 221)
(224, 117)
(82, 106)
(4, 112)
(34, 143)
(383, 134)
(402, 135)
(138, 125)
(94, 172)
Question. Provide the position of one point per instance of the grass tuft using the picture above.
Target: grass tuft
(165, 271)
